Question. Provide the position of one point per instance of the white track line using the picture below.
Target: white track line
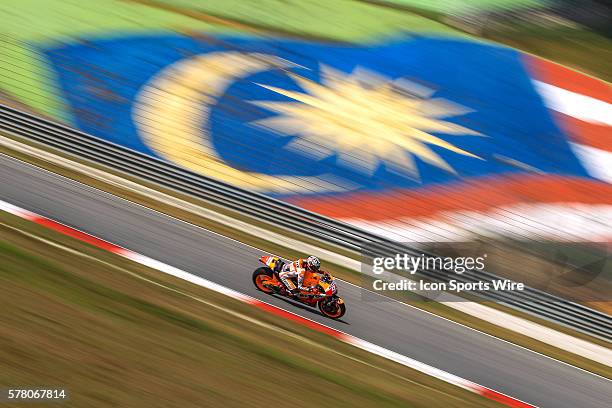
(588, 352)
(105, 193)
(233, 313)
(344, 337)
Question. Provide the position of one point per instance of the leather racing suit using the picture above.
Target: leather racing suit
(291, 270)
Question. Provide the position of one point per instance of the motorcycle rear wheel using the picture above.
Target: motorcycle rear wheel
(260, 276)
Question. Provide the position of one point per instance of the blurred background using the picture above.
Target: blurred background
(425, 122)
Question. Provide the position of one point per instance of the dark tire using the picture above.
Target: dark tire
(260, 275)
(336, 314)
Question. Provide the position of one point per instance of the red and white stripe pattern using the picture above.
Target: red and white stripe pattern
(344, 337)
(582, 107)
(546, 207)
(525, 206)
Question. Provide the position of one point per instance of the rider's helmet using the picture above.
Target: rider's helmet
(313, 263)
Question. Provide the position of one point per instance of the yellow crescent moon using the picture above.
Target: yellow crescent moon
(170, 109)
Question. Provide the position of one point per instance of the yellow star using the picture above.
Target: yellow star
(365, 120)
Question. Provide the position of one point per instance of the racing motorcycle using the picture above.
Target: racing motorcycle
(325, 295)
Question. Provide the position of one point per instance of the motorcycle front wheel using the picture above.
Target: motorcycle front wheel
(332, 309)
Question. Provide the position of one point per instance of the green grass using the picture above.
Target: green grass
(88, 323)
(338, 20)
(460, 6)
(576, 48)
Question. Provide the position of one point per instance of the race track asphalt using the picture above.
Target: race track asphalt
(432, 340)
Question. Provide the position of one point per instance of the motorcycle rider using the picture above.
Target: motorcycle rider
(298, 268)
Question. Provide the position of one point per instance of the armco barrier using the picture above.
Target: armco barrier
(66, 139)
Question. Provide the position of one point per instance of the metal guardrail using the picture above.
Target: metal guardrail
(168, 175)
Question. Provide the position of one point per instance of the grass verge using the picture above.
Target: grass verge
(86, 320)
